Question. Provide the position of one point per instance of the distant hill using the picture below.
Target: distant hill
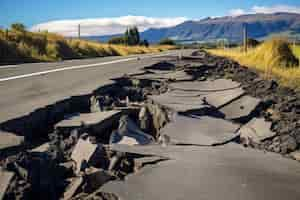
(259, 26)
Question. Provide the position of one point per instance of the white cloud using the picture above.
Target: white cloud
(265, 9)
(237, 12)
(276, 8)
(106, 26)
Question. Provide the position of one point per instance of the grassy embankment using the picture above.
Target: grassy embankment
(23, 46)
(274, 58)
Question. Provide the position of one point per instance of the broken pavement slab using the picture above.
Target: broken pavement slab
(216, 99)
(206, 86)
(256, 131)
(216, 93)
(176, 76)
(221, 98)
(130, 134)
(87, 118)
(200, 130)
(99, 120)
(178, 103)
(240, 108)
(8, 140)
(5, 179)
(198, 172)
(163, 66)
(82, 152)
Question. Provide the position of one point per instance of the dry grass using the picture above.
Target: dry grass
(296, 51)
(273, 58)
(121, 50)
(16, 46)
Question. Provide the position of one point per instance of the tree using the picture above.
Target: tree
(135, 36)
(18, 27)
(167, 41)
(132, 36)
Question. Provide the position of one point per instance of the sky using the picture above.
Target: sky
(104, 17)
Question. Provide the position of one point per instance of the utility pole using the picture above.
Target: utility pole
(245, 33)
(297, 43)
(78, 31)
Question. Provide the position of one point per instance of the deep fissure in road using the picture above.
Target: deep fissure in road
(155, 108)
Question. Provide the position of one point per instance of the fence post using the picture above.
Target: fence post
(79, 31)
(245, 38)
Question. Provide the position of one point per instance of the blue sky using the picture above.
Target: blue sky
(33, 12)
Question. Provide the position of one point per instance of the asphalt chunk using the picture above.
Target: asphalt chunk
(240, 108)
(200, 130)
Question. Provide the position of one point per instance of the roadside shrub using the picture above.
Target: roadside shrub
(52, 51)
(276, 53)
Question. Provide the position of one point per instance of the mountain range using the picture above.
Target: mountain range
(259, 26)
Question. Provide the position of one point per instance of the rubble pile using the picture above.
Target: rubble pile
(130, 138)
(279, 105)
(74, 162)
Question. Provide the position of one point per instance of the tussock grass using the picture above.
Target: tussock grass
(273, 58)
(24, 46)
(296, 51)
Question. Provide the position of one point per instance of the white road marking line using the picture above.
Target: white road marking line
(77, 67)
(64, 69)
(9, 66)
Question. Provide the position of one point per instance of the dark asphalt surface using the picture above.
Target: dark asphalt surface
(22, 96)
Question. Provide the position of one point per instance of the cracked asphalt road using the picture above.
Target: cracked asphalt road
(199, 166)
(22, 96)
